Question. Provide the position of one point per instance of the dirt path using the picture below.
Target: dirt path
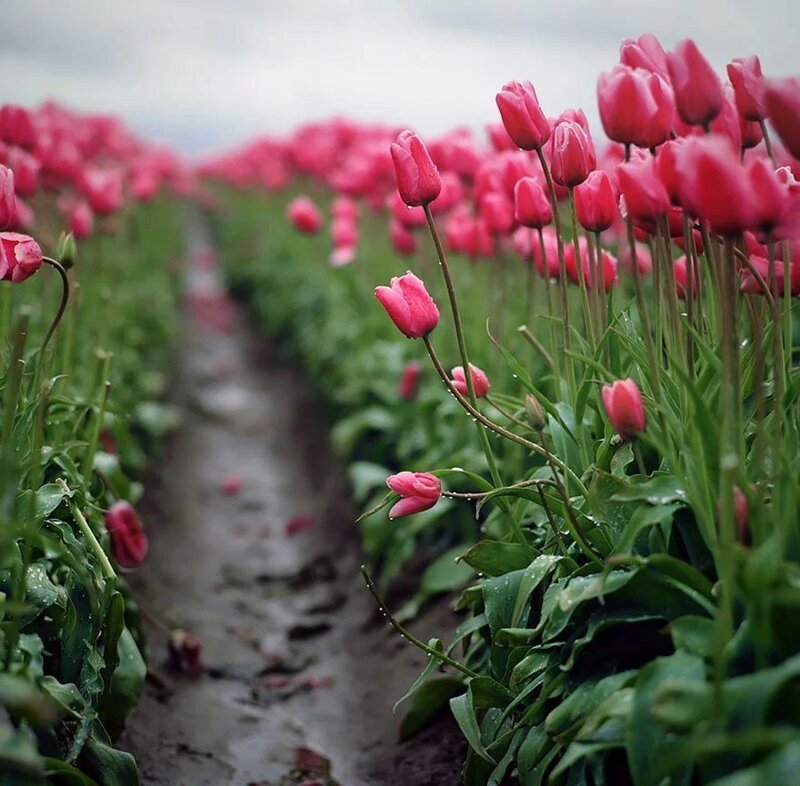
(296, 657)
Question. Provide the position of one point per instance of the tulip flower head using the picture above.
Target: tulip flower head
(480, 382)
(572, 154)
(522, 116)
(418, 179)
(748, 87)
(305, 216)
(129, 544)
(698, 89)
(418, 491)
(783, 110)
(8, 199)
(20, 256)
(596, 202)
(409, 381)
(624, 407)
(409, 305)
(531, 203)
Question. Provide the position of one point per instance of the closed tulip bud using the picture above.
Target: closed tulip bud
(67, 252)
(409, 305)
(783, 110)
(102, 188)
(751, 133)
(748, 87)
(741, 513)
(418, 179)
(713, 185)
(403, 241)
(646, 199)
(625, 408)
(698, 89)
(645, 52)
(129, 544)
(572, 154)
(304, 215)
(8, 199)
(683, 286)
(497, 210)
(480, 382)
(345, 209)
(636, 106)
(409, 381)
(596, 202)
(522, 115)
(531, 204)
(770, 195)
(534, 413)
(20, 256)
(418, 491)
(344, 233)
(549, 266)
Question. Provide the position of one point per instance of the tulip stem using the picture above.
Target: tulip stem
(94, 544)
(462, 348)
(637, 453)
(576, 244)
(406, 634)
(767, 141)
(61, 306)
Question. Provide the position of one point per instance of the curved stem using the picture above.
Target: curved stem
(496, 427)
(61, 306)
(406, 634)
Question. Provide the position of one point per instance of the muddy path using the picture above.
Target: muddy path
(302, 673)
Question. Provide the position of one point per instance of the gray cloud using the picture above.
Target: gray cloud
(205, 74)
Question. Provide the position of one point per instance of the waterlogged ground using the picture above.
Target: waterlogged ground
(302, 673)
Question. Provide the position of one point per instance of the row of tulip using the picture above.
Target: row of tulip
(87, 312)
(635, 617)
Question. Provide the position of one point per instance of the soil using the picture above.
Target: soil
(301, 672)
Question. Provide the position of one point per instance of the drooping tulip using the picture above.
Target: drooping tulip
(409, 305)
(522, 115)
(623, 404)
(418, 179)
(20, 256)
(419, 491)
(129, 544)
(480, 382)
(698, 88)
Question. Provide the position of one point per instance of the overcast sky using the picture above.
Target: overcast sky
(204, 74)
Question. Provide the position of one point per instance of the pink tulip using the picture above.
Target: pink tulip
(480, 382)
(418, 179)
(698, 89)
(20, 256)
(522, 116)
(596, 202)
(305, 216)
(26, 171)
(16, 126)
(645, 52)
(783, 110)
(646, 199)
(497, 210)
(748, 87)
(624, 407)
(572, 154)
(129, 543)
(409, 381)
(418, 491)
(8, 199)
(409, 305)
(531, 203)
(403, 241)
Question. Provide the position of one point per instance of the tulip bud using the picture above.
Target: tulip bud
(534, 413)
(8, 199)
(403, 241)
(418, 179)
(531, 204)
(418, 491)
(480, 382)
(409, 381)
(16, 126)
(305, 216)
(645, 52)
(624, 407)
(748, 87)
(129, 544)
(20, 256)
(783, 110)
(26, 171)
(522, 116)
(67, 251)
(685, 288)
(571, 154)
(497, 210)
(409, 305)
(698, 89)
(596, 202)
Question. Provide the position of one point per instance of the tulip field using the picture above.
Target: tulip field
(560, 369)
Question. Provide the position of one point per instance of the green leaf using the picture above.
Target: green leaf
(781, 767)
(464, 713)
(495, 557)
(661, 489)
(428, 700)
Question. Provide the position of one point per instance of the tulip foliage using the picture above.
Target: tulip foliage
(622, 499)
(87, 320)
